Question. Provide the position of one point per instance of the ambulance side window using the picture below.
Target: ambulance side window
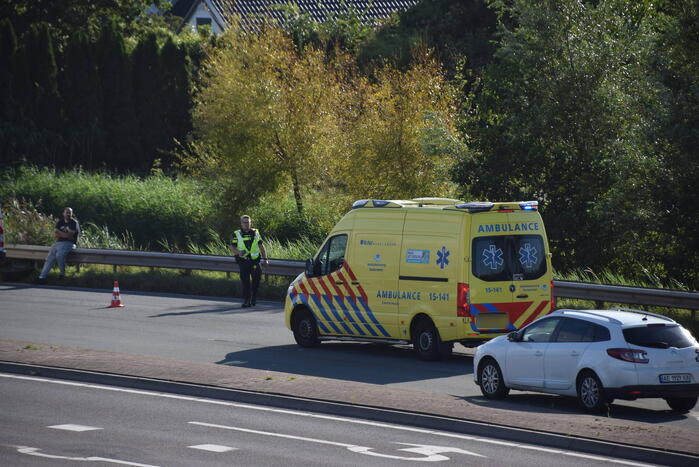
(332, 254)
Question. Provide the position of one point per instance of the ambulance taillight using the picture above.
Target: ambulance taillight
(462, 300)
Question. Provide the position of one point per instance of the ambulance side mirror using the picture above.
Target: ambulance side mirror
(310, 267)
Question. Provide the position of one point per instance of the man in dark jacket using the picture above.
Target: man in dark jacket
(67, 231)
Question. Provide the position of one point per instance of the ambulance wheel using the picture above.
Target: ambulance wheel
(426, 340)
(305, 329)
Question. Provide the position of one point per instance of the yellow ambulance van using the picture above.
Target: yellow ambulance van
(428, 271)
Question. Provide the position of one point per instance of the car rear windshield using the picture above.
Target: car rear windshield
(509, 257)
(658, 336)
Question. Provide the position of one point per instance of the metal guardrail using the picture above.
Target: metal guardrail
(276, 267)
(563, 289)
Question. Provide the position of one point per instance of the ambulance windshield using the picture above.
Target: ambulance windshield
(509, 257)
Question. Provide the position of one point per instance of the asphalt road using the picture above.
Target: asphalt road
(54, 422)
(219, 331)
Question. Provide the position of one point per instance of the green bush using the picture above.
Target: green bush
(150, 210)
(26, 224)
(275, 215)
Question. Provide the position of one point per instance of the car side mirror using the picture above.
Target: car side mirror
(310, 268)
(514, 336)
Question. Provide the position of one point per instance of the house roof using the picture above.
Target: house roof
(251, 11)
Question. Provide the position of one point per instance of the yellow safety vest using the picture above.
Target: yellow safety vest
(254, 251)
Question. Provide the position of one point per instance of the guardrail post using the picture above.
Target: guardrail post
(114, 269)
(599, 305)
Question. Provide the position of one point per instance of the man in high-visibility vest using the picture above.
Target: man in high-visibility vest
(246, 245)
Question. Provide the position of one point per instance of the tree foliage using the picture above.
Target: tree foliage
(563, 118)
(267, 114)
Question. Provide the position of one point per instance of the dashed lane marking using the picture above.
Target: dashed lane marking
(70, 427)
(213, 448)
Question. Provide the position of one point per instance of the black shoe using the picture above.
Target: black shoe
(245, 305)
(41, 281)
(253, 302)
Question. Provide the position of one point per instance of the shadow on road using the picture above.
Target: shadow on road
(552, 404)
(225, 309)
(361, 362)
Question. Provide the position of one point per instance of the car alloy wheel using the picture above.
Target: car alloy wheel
(491, 380)
(591, 392)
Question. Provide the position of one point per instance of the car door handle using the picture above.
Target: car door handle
(339, 282)
(538, 353)
(522, 296)
(355, 283)
(574, 353)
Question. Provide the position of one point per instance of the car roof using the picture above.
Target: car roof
(623, 317)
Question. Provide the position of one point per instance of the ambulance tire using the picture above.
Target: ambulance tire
(305, 328)
(426, 340)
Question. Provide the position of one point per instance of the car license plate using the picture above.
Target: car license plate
(677, 378)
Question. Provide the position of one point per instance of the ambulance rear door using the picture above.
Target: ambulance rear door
(490, 283)
(531, 267)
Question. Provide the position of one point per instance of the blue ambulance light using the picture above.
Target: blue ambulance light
(529, 206)
(360, 203)
(379, 203)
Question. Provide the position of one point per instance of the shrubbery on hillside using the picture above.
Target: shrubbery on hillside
(151, 209)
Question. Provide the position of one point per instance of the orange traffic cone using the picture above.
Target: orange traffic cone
(116, 297)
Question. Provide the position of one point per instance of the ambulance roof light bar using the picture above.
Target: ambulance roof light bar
(529, 205)
(476, 206)
(377, 203)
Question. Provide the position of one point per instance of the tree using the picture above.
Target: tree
(114, 64)
(149, 100)
(677, 63)
(8, 58)
(83, 103)
(262, 115)
(176, 94)
(69, 17)
(266, 114)
(399, 139)
(455, 29)
(562, 118)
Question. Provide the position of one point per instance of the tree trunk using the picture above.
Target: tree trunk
(297, 191)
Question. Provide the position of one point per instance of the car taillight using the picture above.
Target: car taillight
(553, 298)
(629, 355)
(462, 299)
(697, 358)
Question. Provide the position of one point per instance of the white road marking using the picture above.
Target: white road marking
(429, 453)
(35, 452)
(213, 447)
(328, 417)
(69, 427)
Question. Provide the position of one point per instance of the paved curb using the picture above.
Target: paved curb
(422, 420)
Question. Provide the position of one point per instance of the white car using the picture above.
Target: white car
(596, 355)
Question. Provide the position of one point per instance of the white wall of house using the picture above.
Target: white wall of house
(203, 13)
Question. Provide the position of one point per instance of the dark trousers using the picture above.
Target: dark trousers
(249, 269)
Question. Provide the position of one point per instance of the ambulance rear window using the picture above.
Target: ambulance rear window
(511, 257)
